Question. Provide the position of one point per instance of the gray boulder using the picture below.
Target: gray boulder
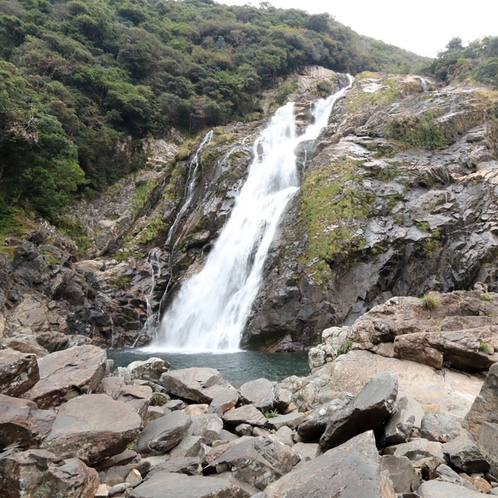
(447, 474)
(18, 372)
(375, 403)
(40, 473)
(163, 434)
(150, 369)
(21, 422)
(441, 427)
(351, 470)
(399, 427)
(465, 456)
(441, 489)
(291, 420)
(402, 473)
(313, 426)
(247, 414)
(164, 484)
(92, 427)
(223, 399)
(484, 407)
(208, 427)
(257, 461)
(67, 374)
(487, 443)
(259, 393)
(198, 385)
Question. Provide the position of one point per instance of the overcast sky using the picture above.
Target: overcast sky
(423, 26)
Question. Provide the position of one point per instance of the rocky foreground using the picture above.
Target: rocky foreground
(371, 419)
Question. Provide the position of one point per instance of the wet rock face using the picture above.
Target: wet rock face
(384, 210)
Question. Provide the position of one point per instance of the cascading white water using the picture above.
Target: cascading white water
(211, 309)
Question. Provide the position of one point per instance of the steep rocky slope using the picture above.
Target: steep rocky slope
(398, 198)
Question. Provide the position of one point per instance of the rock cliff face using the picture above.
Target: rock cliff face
(398, 198)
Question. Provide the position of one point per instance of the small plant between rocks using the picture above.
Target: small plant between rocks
(430, 302)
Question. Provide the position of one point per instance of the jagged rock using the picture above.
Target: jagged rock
(399, 427)
(307, 451)
(208, 427)
(164, 433)
(199, 385)
(66, 374)
(92, 427)
(24, 344)
(441, 427)
(487, 442)
(426, 455)
(218, 450)
(313, 426)
(223, 400)
(167, 484)
(246, 414)
(285, 435)
(190, 466)
(484, 407)
(373, 405)
(258, 392)
(257, 461)
(22, 424)
(122, 458)
(193, 410)
(150, 369)
(401, 472)
(440, 489)
(452, 392)
(138, 397)
(349, 470)
(40, 473)
(463, 453)
(446, 474)
(18, 372)
(291, 420)
(190, 446)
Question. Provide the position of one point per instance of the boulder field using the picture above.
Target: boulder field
(367, 421)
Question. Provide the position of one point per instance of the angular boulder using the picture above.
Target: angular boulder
(351, 470)
(164, 433)
(401, 472)
(247, 414)
(150, 369)
(257, 461)
(465, 456)
(399, 427)
(92, 428)
(21, 422)
(484, 408)
(18, 372)
(67, 374)
(258, 392)
(195, 384)
(441, 427)
(164, 484)
(441, 489)
(375, 403)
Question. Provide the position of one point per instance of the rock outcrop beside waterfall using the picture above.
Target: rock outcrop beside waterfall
(398, 198)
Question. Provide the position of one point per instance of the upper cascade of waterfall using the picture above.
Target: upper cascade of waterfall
(211, 309)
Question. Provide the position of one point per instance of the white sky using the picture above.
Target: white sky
(423, 26)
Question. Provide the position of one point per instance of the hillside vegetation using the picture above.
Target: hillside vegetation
(81, 82)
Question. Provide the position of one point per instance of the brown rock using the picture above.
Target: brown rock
(92, 427)
(18, 372)
(68, 373)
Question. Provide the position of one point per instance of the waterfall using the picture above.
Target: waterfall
(211, 308)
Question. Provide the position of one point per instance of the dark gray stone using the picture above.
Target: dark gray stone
(163, 434)
(18, 372)
(402, 473)
(257, 461)
(399, 427)
(375, 403)
(164, 484)
(440, 489)
(441, 427)
(465, 455)
(351, 470)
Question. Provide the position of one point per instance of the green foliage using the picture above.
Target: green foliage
(485, 348)
(81, 80)
(485, 296)
(430, 302)
(334, 207)
(345, 347)
(417, 131)
(476, 62)
(271, 414)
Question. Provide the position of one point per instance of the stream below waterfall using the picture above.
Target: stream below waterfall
(237, 367)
